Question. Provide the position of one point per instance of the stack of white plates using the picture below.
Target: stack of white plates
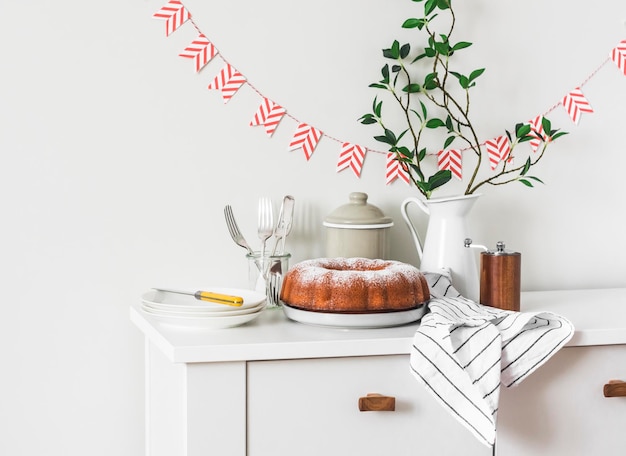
(185, 310)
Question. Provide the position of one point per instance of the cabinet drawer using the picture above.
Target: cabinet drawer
(561, 410)
(311, 407)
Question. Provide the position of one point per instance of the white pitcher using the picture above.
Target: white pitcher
(444, 244)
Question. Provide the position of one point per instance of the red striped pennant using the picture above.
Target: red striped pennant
(306, 138)
(351, 156)
(228, 81)
(498, 149)
(201, 50)
(536, 130)
(395, 170)
(451, 159)
(174, 14)
(575, 103)
(618, 55)
(269, 114)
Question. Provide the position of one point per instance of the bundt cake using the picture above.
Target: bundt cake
(354, 285)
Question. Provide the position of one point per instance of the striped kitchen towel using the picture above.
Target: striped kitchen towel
(463, 351)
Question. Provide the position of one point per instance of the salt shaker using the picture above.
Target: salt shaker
(500, 278)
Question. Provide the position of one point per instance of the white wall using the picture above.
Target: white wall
(117, 162)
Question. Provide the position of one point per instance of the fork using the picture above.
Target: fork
(234, 231)
(265, 226)
(274, 283)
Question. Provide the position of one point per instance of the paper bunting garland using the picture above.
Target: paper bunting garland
(351, 156)
(575, 103)
(618, 55)
(174, 14)
(450, 160)
(498, 149)
(269, 115)
(228, 81)
(306, 137)
(536, 126)
(395, 170)
(201, 50)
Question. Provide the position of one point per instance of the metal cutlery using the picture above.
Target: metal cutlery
(209, 296)
(282, 229)
(234, 230)
(265, 226)
(284, 224)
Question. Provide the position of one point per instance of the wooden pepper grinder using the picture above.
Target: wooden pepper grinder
(500, 278)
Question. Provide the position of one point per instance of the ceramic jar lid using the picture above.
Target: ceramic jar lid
(357, 214)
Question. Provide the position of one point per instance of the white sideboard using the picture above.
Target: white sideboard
(279, 387)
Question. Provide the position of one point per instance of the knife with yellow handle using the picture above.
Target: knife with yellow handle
(209, 296)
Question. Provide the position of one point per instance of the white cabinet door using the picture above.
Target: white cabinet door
(310, 408)
(560, 410)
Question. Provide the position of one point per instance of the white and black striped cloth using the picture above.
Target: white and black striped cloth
(463, 351)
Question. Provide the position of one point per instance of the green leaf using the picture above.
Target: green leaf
(443, 48)
(526, 182)
(378, 107)
(461, 45)
(435, 123)
(393, 52)
(417, 115)
(440, 178)
(404, 50)
(368, 120)
(463, 80)
(443, 4)
(558, 135)
(546, 124)
(419, 57)
(535, 179)
(430, 52)
(405, 152)
(390, 135)
(382, 139)
(377, 85)
(527, 166)
(521, 130)
(412, 23)
(429, 6)
(476, 73)
(395, 68)
(385, 72)
(430, 81)
(412, 88)
(424, 110)
(421, 155)
(449, 140)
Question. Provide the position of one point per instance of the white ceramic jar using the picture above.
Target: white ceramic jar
(357, 229)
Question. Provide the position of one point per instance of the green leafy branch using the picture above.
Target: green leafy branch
(432, 97)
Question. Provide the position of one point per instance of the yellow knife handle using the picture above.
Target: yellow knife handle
(219, 298)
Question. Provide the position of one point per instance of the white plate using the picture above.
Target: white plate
(204, 322)
(364, 320)
(200, 313)
(164, 300)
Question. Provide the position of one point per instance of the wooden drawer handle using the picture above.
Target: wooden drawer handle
(377, 403)
(615, 388)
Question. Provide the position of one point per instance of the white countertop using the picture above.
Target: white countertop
(599, 317)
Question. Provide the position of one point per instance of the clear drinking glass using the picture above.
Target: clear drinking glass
(265, 275)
